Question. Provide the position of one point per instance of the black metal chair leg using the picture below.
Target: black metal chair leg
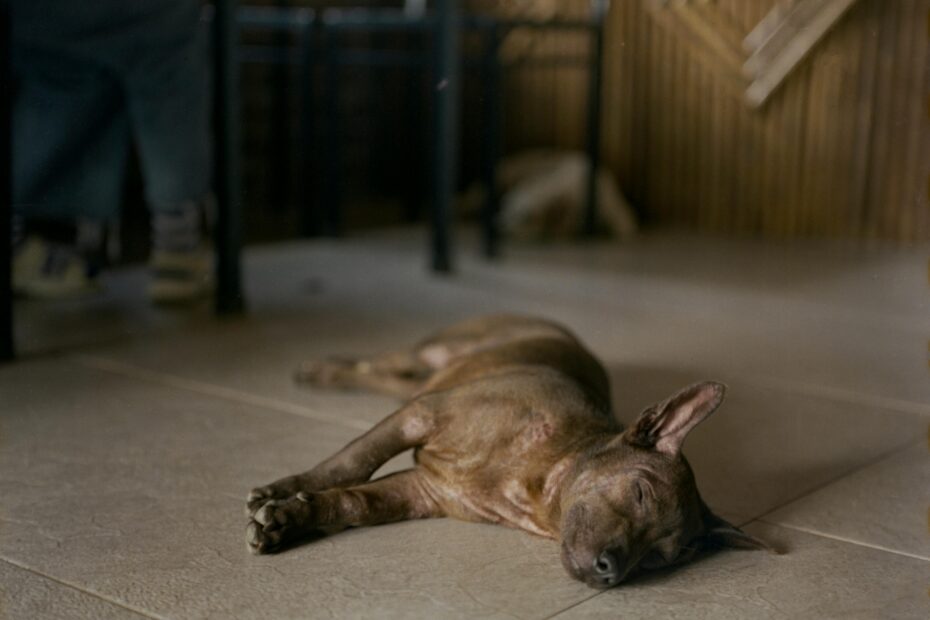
(331, 156)
(229, 298)
(445, 131)
(309, 207)
(491, 68)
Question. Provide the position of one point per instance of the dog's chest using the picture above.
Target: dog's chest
(498, 478)
(503, 500)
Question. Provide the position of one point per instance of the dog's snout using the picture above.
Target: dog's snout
(607, 569)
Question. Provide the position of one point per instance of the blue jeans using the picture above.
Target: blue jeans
(94, 77)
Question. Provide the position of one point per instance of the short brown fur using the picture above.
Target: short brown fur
(510, 422)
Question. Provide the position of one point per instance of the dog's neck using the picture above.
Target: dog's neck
(563, 474)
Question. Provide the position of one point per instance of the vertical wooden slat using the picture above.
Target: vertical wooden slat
(658, 140)
(917, 108)
(870, 30)
(838, 199)
(922, 205)
(881, 124)
(676, 88)
(643, 114)
(894, 179)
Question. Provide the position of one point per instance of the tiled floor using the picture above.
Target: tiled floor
(129, 436)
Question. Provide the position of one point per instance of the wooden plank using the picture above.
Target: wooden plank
(771, 157)
(898, 131)
(773, 73)
(869, 26)
(796, 50)
(799, 139)
(731, 75)
(917, 100)
(715, 32)
(767, 26)
(923, 196)
(644, 113)
(881, 120)
(654, 170)
(843, 121)
(792, 23)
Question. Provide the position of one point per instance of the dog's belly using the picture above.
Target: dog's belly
(499, 438)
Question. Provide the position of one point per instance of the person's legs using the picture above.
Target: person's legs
(70, 145)
(168, 96)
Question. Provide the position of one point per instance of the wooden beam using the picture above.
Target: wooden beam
(782, 34)
(796, 50)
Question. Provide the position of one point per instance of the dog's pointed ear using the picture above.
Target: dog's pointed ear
(719, 534)
(665, 425)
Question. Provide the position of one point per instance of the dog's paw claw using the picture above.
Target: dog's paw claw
(270, 515)
(260, 541)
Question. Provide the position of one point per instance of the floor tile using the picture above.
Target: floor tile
(816, 578)
(133, 491)
(120, 310)
(884, 505)
(852, 327)
(765, 447)
(802, 335)
(27, 596)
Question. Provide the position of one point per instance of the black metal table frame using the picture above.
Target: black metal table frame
(318, 33)
(445, 22)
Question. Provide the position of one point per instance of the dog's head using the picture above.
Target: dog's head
(633, 503)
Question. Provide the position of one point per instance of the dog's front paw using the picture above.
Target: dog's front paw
(279, 489)
(279, 522)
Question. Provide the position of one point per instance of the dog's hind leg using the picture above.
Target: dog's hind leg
(399, 374)
(406, 428)
(282, 522)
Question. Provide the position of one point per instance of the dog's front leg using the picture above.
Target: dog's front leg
(406, 428)
(283, 522)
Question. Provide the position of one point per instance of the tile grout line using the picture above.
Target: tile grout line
(878, 459)
(843, 539)
(216, 391)
(572, 606)
(794, 387)
(855, 470)
(77, 588)
(837, 394)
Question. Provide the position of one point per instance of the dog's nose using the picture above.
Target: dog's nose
(607, 569)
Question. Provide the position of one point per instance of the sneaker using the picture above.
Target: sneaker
(43, 270)
(182, 256)
(181, 277)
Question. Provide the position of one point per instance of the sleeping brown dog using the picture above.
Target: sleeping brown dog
(510, 422)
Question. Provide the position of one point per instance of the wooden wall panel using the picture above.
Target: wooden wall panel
(842, 148)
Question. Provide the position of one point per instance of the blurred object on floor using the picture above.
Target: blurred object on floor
(543, 196)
